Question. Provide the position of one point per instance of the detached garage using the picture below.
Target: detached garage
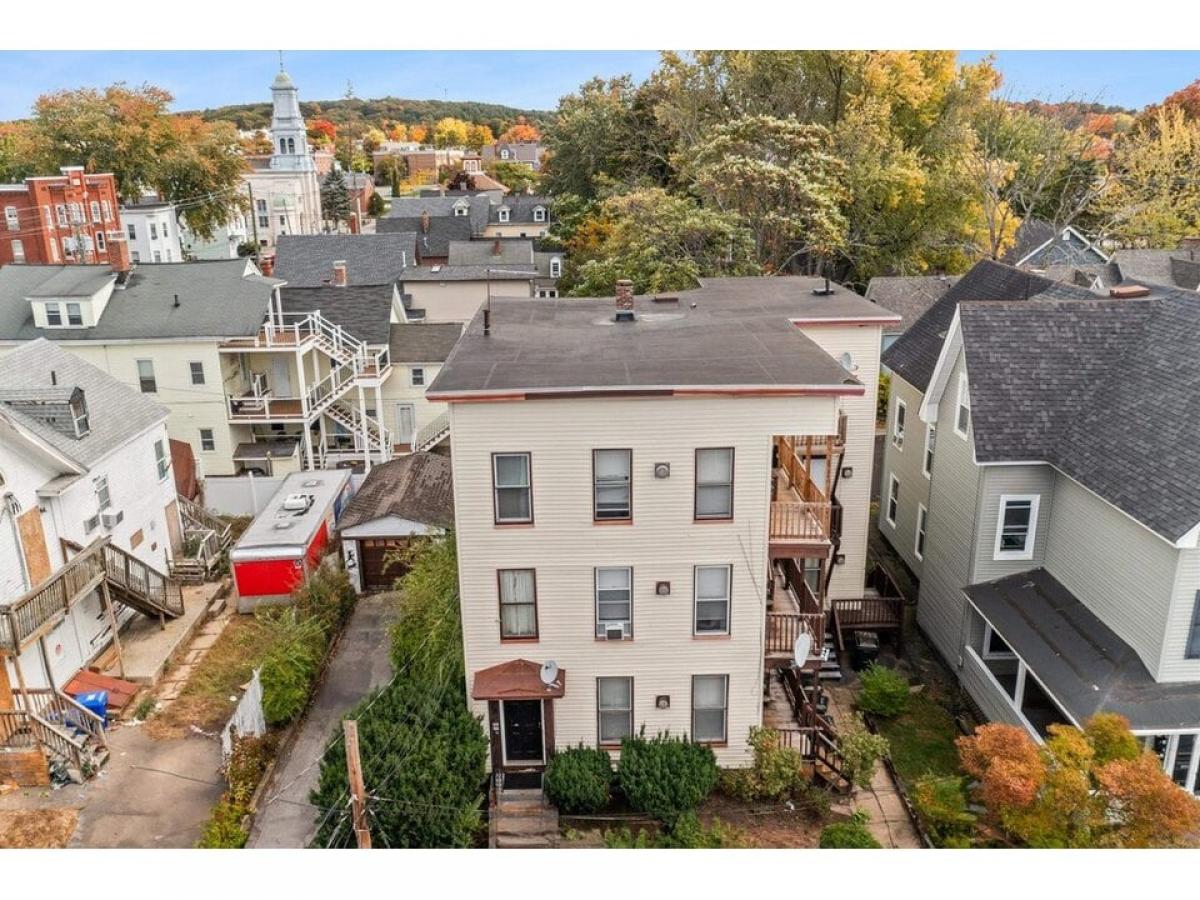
(401, 499)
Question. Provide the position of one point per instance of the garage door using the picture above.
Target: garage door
(375, 554)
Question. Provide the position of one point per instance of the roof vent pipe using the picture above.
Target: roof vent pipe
(176, 303)
(53, 377)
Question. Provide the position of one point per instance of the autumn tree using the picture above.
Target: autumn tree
(322, 132)
(781, 180)
(256, 144)
(521, 132)
(18, 154)
(130, 132)
(1089, 788)
(517, 177)
(1154, 198)
(418, 134)
(478, 136)
(393, 170)
(659, 241)
(398, 132)
(372, 139)
(450, 132)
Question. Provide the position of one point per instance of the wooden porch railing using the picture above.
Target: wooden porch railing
(128, 573)
(784, 628)
(21, 729)
(795, 520)
(61, 711)
(818, 737)
(23, 620)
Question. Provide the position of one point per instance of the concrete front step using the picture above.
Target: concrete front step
(527, 825)
(524, 842)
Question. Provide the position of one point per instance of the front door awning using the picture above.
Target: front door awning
(518, 679)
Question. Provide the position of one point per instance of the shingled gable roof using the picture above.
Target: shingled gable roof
(436, 241)
(416, 487)
(1106, 391)
(364, 311)
(116, 412)
(210, 299)
(907, 295)
(306, 260)
(915, 353)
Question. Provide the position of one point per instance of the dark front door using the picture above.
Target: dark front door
(522, 731)
(380, 569)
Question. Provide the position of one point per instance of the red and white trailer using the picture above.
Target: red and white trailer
(287, 539)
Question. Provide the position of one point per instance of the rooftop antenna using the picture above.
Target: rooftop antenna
(280, 60)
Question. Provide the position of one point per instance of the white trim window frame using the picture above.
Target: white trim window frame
(1005, 533)
(919, 539)
(417, 376)
(162, 459)
(962, 405)
(987, 652)
(708, 708)
(930, 448)
(714, 597)
(614, 709)
(519, 487)
(613, 587)
(899, 420)
(893, 499)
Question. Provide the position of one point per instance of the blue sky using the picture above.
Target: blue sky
(528, 79)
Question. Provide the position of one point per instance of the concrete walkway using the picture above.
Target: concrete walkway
(360, 663)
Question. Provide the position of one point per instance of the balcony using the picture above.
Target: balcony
(805, 520)
(251, 406)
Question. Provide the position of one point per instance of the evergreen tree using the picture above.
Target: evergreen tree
(335, 197)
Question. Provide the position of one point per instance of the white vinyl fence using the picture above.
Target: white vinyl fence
(248, 719)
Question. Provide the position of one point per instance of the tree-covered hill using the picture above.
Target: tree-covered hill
(354, 111)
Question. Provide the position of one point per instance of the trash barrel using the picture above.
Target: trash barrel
(94, 702)
(866, 648)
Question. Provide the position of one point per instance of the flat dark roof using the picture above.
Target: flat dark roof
(729, 334)
(1080, 660)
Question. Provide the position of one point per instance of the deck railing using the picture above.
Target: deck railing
(22, 619)
(127, 572)
(797, 520)
(265, 406)
(61, 711)
(784, 628)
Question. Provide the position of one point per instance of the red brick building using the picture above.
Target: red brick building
(69, 218)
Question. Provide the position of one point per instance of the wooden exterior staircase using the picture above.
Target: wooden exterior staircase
(815, 737)
(135, 584)
(205, 537)
(72, 736)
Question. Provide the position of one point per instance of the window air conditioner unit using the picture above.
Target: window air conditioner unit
(614, 631)
(111, 518)
(90, 525)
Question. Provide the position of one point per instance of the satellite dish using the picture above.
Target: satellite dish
(549, 672)
(802, 648)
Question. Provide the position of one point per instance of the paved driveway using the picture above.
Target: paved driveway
(360, 663)
(149, 794)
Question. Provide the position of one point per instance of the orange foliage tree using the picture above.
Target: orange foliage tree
(418, 133)
(521, 132)
(1091, 788)
(322, 131)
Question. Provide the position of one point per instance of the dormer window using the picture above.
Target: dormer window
(502, 214)
(504, 154)
(539, 214)
(461, 209)
(53, 315)
(555, 267)
(74, 315)
(79, 414)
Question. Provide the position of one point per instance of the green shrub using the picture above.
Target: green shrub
(578, 780)
(778, 772)
(327, 596)
(666, 776)
(689, 834)
(884, 691)
(298, 647)
(247, 763)
(852, 835)
(223, 830)
(941, 803)
(861, 750)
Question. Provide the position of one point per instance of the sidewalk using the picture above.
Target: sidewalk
(360, 663)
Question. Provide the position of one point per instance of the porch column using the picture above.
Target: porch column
(46, 664)
(303, 386)
(366, 441)
(106, 599)
(385, 451)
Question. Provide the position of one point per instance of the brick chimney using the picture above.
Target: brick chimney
(266, 265)
(425, 222)
(496, 247)
(624, 295)
(339, 273)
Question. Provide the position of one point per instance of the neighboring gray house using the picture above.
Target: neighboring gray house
(1040, 245)
(530, 154)
(910, 444)
(472, 208)
(1061, 520)
(433, 233)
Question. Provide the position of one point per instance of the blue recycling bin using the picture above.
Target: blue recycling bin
(95, 702)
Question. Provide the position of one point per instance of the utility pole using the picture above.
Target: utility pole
(358, 798)
(254, 217)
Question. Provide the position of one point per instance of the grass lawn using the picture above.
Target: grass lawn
(205, 701)
(922, 740)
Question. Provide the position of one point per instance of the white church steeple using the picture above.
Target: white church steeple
(288, 134)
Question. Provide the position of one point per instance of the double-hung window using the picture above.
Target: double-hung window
(893, 499)
(208, 440)
(53, 315)
(74, 314)
(930, 442)
(1192, 650)
(161, 459)
(146, 379)
(132, 229)
(714, 483)
(1016, 526)
(710, 703)
(11, 219)
(611, 490)
(898, 422)
(919, 543)
(103, 497)
(95, 207)
(614, 709)
(614, 601)
(962, 414)
(100, 245)
(511, 488)
(418, 376)
(712, 599)
(197, 372)
(518, 603)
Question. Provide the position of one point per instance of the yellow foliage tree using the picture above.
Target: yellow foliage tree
(451, 132)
